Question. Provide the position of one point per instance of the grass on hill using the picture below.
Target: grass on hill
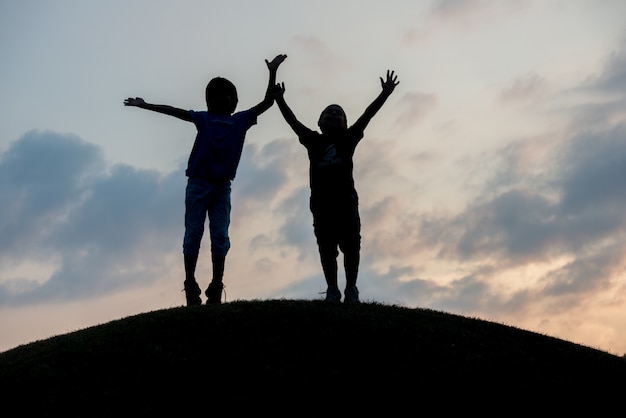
(257, 355)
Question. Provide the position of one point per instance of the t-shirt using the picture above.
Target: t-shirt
(330, 162)
(219, 143)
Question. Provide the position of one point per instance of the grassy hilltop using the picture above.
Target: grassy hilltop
(277, 355)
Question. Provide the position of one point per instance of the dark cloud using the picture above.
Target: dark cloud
(581, 203)
(609, 91)
(613, 77)
(261, 174)
(41, 177)
(273, 178)
(103, 229)
(514, 226)
(586, 274)
(592, 173)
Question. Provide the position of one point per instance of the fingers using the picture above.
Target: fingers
(278, 59)
(133, 101)
(392, 78)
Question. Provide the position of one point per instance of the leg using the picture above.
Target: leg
(214, 291)
(192, 290)
(194, 229)
(351, 261)
(325, 233)
(329, 266)
(350, 245)
(191, 260)
(218, 267)
(219, 221)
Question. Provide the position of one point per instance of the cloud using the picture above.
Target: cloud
(41, 177)
(526, 88)
(460, 14)
(320, 56)
(457, 9)
(577, 205)
(613, 77)
(472, 13)
(586, 274)
(604, 95)
(415, 106)
(555, 204)
(96, 229)
(593, 167)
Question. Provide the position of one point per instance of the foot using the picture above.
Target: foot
(214, 293)
(333, 294)
(192, 293)
(351, 295)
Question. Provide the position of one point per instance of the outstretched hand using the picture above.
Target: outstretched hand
(273, 65)
(390, 84)
(277, 90)
(137, 101)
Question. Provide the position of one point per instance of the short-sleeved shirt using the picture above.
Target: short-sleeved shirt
(330, 162)
(219, 143)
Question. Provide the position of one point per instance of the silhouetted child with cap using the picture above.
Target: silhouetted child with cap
(211, 167)
(334, 201)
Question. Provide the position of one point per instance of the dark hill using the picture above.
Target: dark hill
(274, 356)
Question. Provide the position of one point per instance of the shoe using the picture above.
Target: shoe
(214, 293)
(351, 295)
(192, 293)
(333, 294)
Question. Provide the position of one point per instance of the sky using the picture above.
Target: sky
(491, 183)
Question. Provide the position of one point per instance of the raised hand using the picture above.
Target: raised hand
(390, 84)
(277, 90)
(273, 65)
(137, 101)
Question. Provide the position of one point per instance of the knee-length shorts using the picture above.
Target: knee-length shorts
(204, 199)
(337, 225)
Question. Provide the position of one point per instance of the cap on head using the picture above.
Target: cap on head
(221, 96)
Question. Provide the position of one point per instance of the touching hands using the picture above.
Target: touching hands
(273, 65)
(390, 84)
(137, 101)
(277, 90)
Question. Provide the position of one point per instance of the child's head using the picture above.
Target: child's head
(221, 96)
(332, 119)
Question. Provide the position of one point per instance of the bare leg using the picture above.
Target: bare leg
(351, 264)
(218, 267)
(190, 266)
(192, 290)
(214, 291)
(329, 266)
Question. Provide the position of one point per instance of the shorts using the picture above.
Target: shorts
(337, 224)
(205, 199)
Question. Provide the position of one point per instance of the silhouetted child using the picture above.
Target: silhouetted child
(211, 167)
(334, 201)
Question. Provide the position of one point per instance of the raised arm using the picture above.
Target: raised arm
(290, 118)
(268, 100)
(165, 109)
(388, 86)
